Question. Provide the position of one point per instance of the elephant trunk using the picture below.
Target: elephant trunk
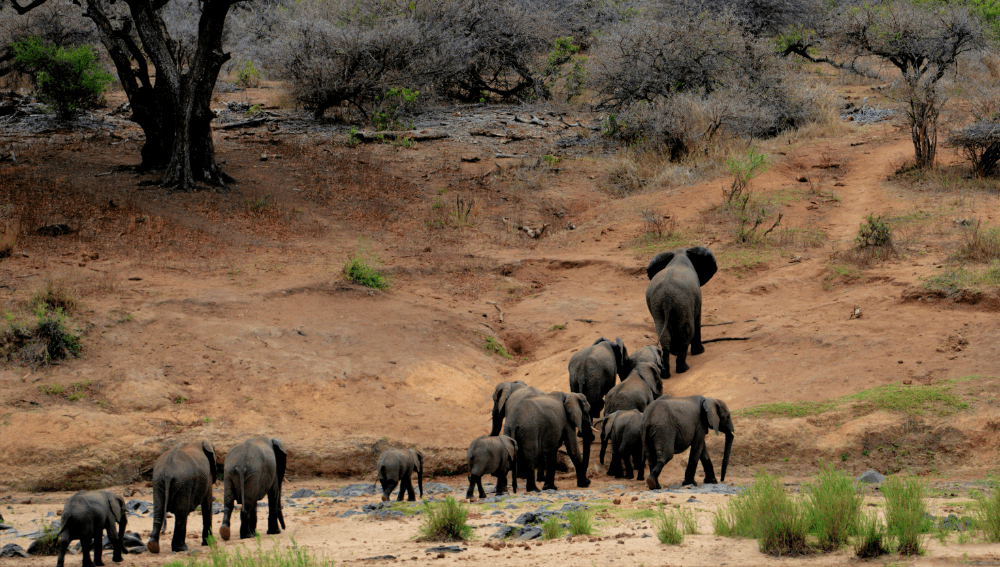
(725, 456)
(497, 422)
(420, 480)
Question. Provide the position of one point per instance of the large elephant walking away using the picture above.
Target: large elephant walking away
(254, 469)
(396, 466)
(182, 481)
(671, 425)
(674, 300)
(506, 396)
(495, 456)
(592, 371)
(623, 430)
(86, 516)
(540, 426)
(637, 391)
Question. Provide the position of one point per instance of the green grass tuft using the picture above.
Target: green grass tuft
(787, 409)
(362, 268)
(445, 521)
(906, 516)
(295, 556)
(764, 511)
(494, 346)
(580, 522)
(870, 540)
(987, 514)
(668, 528)
(552, 528)
(834, 507)
(913, 399)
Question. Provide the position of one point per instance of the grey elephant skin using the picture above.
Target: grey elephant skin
(542, 424)
(674, 300)
(672, 425)
(637, 391)
(86, 515)
(652, 354)
(592, 371)
(495, 456)
(396, 466)
(254, 469)
(623, 430)
(182, 481)
(506, 396)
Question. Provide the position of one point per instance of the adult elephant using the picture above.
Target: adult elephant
(254, 469)
(592, 371)
(637, 391)
(544, 423)
(506, 396)
(623, 430)
(674, 300)
(182, 481)
(671, 425)
(86, 516)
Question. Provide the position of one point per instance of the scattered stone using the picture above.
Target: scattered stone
(528, 533)
(569, 506)
(693, 499)
(350, 513)
(4, 527)
(954, 523)
(133, 539)
(493, 513)
(503, 533)
(141, 506)
(871, 477)
(616, 501)
(217, 508)
(353, 490)
(56, 229)
(13, 550)
(437, 488)
(136, 550)
(302, 493)
(445, 549)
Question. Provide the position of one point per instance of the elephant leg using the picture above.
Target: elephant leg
(529, 467)
(472, 486)
(206, 518)
(410, 495)
(681, 363)
(706, 463)
(540, 472)
(98, 544)
(639, 465)
(116, 542)
(248, 518)
(659, 452)
(273, 507)
(63, 547)
(550, 472)
(501, 482)
(177, 544)
(86, 543)
(696, 346)
(692, 466)
(228, 499)
(387, 487)
(615, 469)
(626, 458)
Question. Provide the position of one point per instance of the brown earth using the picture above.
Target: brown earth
(205, 315)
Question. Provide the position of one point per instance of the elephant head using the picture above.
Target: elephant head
(500, 395)
(650, 375)
(116, 504)
(718, 416)
(623, 365)
(280, 459)
(578, 415)
(418, 458)
(701, 259)
(209, 451)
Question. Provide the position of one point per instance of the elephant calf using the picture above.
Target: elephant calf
(255, 468)
(182, 481)
(623, 429)
(593, 370)
(637, 391)
(671, 425)
(395, 466)
(495, 456)
(86, 515)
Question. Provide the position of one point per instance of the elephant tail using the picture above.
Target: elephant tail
(160, 512)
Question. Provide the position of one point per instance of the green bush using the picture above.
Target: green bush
(46, 338)
(765, 512)
(906, 515)
(494, 346)
(668, 528)
(69, 79)
(48, 543)
(987, 514)
(294, 556)
(552, 528)
(248, 75)
(580, 522)
(445, 521)
(875, 232)
(361, 268)
(834, 507)
(870, 540)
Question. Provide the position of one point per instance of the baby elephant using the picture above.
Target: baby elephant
(85, 517)
(623, 430)
(395, 467)
(495, 456)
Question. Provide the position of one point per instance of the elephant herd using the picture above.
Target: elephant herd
(529, 426)
(182, 482)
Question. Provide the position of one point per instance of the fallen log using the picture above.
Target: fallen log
(415, 135)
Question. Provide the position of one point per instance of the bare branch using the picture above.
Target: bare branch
(22, 10)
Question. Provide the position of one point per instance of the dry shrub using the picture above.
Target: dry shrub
(981, 244)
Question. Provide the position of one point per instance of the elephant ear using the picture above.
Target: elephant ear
(501, 393)
(511, 447)
(711, 409)
(704, 263)
(280, 457)
(209, 450)
(609, 423)
(659, 262)
(117, 506)
(576, 406)
(621, 358)
(600, 340)
(650, 374)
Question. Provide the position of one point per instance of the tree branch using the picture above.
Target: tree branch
(802, 50)
(22, 10)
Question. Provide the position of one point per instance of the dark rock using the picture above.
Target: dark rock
(445, 549)
(493, 513)
(528, 533)
(871, 477)
(217, 508)
(437, 488)
(527, 518)
(954, 523)
(56, 229)
(13, 550)
(380, 558)
(302, 493)
(133, 539)
(573, 506)
(511, 507)
(693, 499)
(350, 513)
(353, 490)
(136, 550)
(140, 506)
(5, 527)
(503, 533)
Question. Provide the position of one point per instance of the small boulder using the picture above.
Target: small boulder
(871, 477)
(528, 533)
(302, 493)
(503, 533)
(13, 550)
